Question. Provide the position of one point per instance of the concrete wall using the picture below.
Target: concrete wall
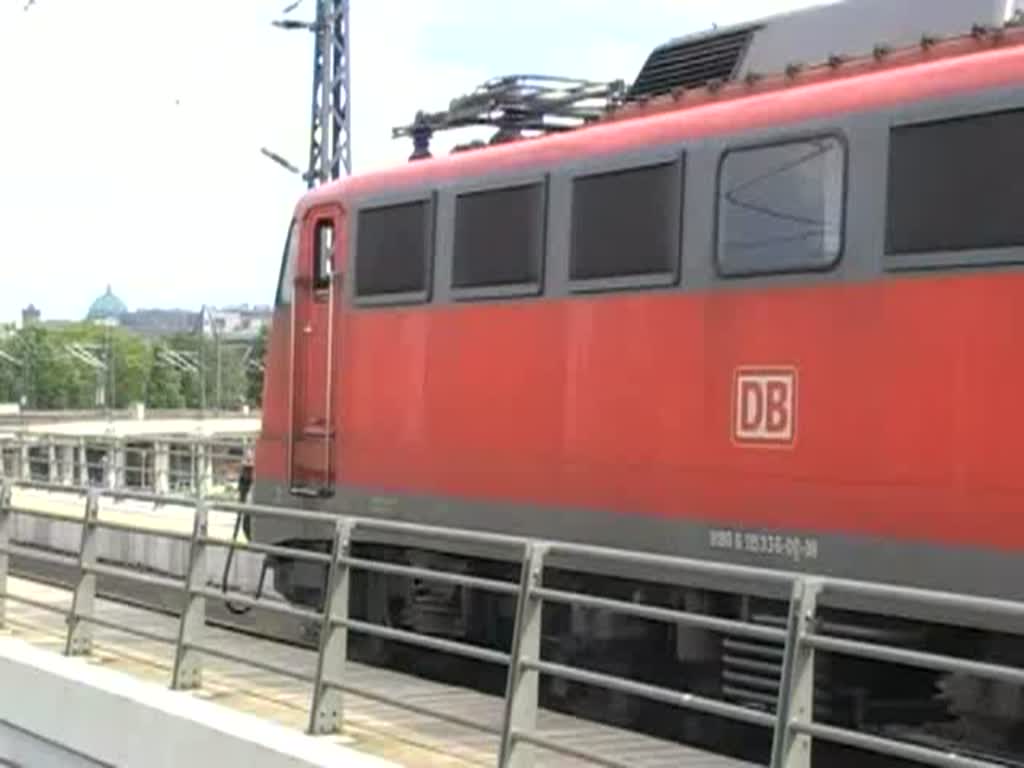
(60, 711)
(56, 417)
(154, 553)
(21, 749)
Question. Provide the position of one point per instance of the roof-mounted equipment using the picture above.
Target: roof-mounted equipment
(823, 33)
(517, 106)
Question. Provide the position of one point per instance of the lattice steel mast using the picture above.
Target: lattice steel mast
(330, 148)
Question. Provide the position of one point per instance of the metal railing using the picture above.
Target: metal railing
(792, 723)
(164, 464)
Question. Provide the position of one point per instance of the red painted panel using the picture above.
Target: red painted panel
(908, 406)
(271, 455)
(909, 394)
(312, 448)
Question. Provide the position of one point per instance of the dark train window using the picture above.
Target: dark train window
(393, 248)
(627, 223)
(956, 184)
(499, 237)
(286, 280)
(780, 207)
(323, 254)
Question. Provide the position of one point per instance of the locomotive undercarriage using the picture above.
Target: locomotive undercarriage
(950, 710)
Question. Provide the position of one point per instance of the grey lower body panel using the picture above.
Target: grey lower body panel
(984, 573)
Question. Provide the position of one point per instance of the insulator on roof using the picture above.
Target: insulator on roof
(421, 134)
(520, 105)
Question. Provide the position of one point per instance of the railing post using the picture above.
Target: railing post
(51, 462)
(796, 691)
(66, 453)
(161, 468)
(187, 661)
(83, 463)
(116, 465)
(83, 604)
(326, 712)
(24, 461)
(6, 531)
(523, 687)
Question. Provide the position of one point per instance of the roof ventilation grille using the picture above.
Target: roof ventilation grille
(691, 63)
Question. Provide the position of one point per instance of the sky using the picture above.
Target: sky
(130, 129)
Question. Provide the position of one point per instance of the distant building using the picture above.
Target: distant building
(107, 310)
(161, 322)
(241, 323)
(30, 316)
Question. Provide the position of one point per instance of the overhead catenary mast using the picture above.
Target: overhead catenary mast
(330, 152)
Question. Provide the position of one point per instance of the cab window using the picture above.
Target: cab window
(394, 245)
(780, 207)
(286, 282)
(955, 185)
(626, 224)
(323, 254)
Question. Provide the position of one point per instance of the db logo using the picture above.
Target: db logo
(764, 407)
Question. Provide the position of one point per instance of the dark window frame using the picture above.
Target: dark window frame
(633, 161)
(929, 113)
(322, 282)
(506, 290)
(430, 199)
(782, 140)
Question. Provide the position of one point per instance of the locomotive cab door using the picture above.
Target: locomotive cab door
(318, 276)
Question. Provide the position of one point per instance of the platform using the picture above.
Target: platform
(370, 728)
(109, 718)
(138, 428)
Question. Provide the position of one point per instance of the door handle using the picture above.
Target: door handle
(308, 329)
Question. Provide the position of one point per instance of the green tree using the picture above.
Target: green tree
(164, 388)
(128, 368)
(10, 372)
(41, 376)
(222, 367)
(190, 390)
(132, 363)
(254, 371)
(233, 385)
(188, 344)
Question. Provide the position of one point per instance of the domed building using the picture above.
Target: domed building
(107, 309)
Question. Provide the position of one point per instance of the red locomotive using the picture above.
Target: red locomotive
(767, 320)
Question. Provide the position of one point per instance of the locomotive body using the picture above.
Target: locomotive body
(778, 327)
